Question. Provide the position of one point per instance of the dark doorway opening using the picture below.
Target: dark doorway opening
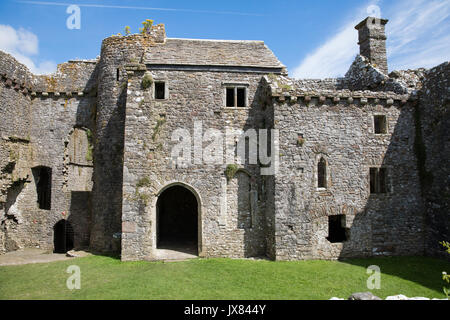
(177, 220)
(43, 178)
(336, 229)
(63, 237)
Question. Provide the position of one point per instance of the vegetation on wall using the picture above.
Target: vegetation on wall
(231, 171)
(147, 81)
(146, 28)
(142, 196)
(157, 128)
(143, 182)
(90, 150)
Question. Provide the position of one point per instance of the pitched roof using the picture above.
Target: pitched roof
(212, 53)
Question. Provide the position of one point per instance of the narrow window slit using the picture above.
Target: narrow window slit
(322, 173)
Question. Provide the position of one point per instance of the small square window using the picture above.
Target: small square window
(236, 97)
(160, 90)
(380, 124)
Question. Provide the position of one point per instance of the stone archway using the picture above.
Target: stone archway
(177, 220)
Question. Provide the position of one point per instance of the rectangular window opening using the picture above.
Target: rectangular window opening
(241, 97)
(160, 90)
(43, 180)
(382, 180)
(230, 97)
(373, 180)
(380, 124)
(378, 180)
(336, 229)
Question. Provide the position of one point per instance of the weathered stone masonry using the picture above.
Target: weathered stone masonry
(363, 160)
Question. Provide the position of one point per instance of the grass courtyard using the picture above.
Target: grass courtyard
(211, 279)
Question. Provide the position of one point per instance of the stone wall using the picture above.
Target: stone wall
(107, 142)
(433, 149)
(38, 115)
(232, 217)
(341, 131)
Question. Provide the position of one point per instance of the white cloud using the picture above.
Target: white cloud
(418, 36)
(333, 58)
(22, 45)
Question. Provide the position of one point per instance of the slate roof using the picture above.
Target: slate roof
(196, 52)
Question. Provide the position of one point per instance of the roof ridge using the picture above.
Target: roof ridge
(217, 40)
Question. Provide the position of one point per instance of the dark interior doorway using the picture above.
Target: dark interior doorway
(43, 178)
(177, 220)
(63, 237)
(336, 230)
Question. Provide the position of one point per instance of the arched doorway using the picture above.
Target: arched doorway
(63, 237)
(177, 220)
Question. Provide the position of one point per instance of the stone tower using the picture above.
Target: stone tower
(372, 41)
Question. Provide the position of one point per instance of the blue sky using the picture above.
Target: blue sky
(314, 39)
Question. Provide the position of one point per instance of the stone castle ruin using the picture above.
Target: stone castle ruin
(86, 157)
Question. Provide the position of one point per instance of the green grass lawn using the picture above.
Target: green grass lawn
(109, 278)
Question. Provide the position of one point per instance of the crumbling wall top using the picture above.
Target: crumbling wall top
(73, 76)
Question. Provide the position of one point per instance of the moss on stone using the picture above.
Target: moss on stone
(300, 141)
(90, 151)
(231, 171)
(147, 81)
(143, 182)
(157, 128)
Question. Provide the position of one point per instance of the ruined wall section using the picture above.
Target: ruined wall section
(432, 115)
(362, 75)
(15, 120)
(38, 115)
(339, 127)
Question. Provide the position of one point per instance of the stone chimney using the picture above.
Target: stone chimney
(372, 42)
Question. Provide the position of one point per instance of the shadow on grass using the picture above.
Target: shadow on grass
(421, 270)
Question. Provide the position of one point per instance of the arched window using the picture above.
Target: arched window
(322, 173)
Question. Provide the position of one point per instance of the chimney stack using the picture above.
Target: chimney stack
(372, 42)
